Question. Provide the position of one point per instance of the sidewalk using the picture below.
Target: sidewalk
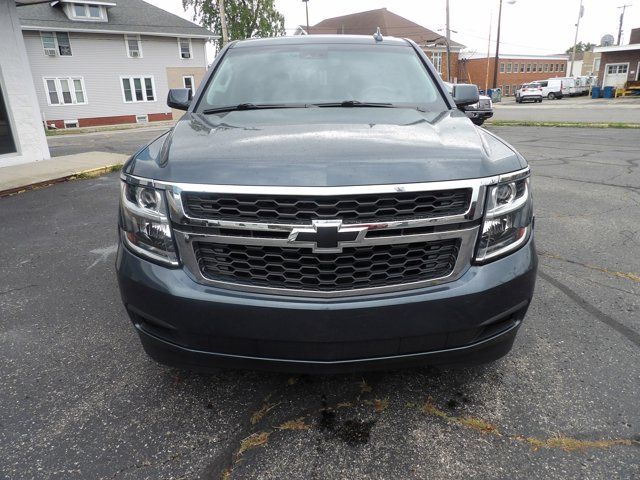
(16, 178)
(110, 128)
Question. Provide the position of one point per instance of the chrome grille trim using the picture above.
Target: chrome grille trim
(467, 242)
(464, 226)
(474, 211)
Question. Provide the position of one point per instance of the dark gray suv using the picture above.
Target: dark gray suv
(324, 205)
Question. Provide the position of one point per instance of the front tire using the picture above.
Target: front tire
(478, 121)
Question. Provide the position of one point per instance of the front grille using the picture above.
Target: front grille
(301, 269)
(360, 208)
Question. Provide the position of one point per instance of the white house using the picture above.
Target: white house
(102, 62)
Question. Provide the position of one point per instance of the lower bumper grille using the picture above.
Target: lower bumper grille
(301, 269)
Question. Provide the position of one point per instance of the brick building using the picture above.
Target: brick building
(513, 70)
(366, 23)
(620, 63)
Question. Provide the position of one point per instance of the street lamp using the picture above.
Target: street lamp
(306, 7)
(495, 66)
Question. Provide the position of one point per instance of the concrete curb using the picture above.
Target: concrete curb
(90, 173)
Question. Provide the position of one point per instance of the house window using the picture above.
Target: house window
(596, 65)
(546, 67)
(522, 67)
(506, 90)
(94, 11)
(528, 67)
(189, 83)
(501, 67)
(84, 11)
(562, 67)
(184, 47)
(138, 89)
(56, 44)
(509, 66)
(65, 91)
(64, 46)
(515, 68)
(134, 47)
(436, 59)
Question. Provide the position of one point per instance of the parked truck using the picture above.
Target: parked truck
(312, 211)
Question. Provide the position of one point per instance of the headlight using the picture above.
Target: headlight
(145, 224)
(485, 104)
(507, 221)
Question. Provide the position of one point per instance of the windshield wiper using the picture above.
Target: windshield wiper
(251, 106)
(355, 103)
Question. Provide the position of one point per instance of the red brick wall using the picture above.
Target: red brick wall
(102, 121)
(632, 57)
(475, 71)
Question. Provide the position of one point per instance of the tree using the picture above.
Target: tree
(245, 18)
(582, 47)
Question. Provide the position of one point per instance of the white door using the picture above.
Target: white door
(615, 74)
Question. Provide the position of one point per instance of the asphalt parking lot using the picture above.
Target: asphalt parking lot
(79, 398)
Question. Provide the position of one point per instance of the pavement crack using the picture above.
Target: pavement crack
(18, 289)
(630, 334)
(592, 182)
(626, 275)
(557, 441)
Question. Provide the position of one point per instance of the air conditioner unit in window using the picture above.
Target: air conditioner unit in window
(186, 55)
(51, 52)
(134, 54)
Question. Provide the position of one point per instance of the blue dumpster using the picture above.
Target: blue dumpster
(596, 92)
(608, 92)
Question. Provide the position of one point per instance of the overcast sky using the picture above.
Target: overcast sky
(528, 26)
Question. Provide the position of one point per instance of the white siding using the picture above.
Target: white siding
(101, 59)
(19, 93)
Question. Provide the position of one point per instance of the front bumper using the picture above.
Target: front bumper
(471, 320)
(479, 114)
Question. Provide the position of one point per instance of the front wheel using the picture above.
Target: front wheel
(551, 96)
(478, 121)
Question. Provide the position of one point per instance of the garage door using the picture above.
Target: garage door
(615, 74)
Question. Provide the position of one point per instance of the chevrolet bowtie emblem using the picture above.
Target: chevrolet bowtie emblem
(327, 236)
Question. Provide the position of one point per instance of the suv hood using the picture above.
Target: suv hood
(324, 147)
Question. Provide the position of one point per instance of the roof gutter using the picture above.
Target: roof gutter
(118, 32)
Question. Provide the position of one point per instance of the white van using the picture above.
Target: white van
(569, 85)
(553, 88)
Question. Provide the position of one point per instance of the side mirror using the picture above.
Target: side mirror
(179, 98)
(465, 94)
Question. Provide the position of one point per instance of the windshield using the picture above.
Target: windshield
(320, 74)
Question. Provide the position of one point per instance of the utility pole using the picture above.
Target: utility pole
(495, 66)
(623, 7)
(223, 23)
(486, 80)
(575, 40)
(448, 46)
(306, 7)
